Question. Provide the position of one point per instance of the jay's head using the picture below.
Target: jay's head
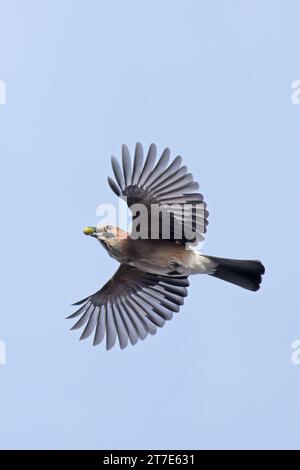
(105, 233)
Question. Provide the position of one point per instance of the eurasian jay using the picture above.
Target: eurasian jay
(156, 258)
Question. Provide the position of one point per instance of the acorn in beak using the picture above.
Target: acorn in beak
(90, 231)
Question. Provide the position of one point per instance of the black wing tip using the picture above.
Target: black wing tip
(79, 302)
(69, 317)
(153, 146)
(114, 160)
(113, 186)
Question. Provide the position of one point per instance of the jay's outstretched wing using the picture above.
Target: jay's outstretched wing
(180, 215)
(129, 306)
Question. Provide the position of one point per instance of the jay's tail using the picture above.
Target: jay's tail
(243, 273)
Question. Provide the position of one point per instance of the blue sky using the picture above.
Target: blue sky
(211, 80)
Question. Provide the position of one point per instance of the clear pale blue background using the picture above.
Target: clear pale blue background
(212, 80)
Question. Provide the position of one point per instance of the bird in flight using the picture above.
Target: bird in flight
(169, 218)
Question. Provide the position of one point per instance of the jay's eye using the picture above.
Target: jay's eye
(108, 228)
